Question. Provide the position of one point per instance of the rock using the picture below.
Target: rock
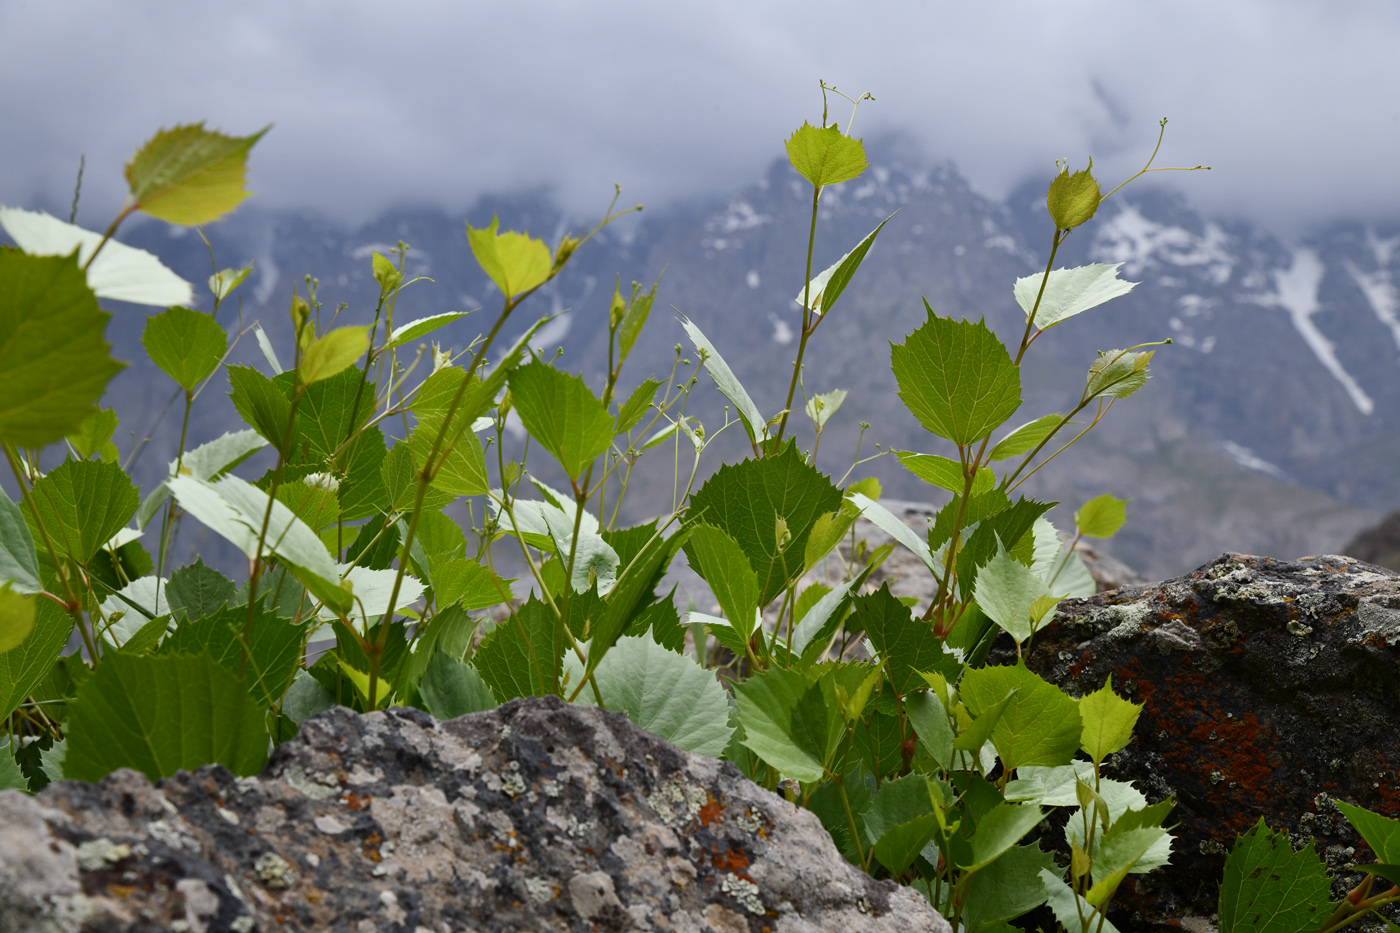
(1379, 544)
(535, 816)
(1269, 689)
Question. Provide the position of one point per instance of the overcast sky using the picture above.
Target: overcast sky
(1296, 104)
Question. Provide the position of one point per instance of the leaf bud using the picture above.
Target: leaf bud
(563, 251)
(1073, 199)
(619, 307)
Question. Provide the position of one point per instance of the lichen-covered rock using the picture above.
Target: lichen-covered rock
(1269, 689)
(535, 816)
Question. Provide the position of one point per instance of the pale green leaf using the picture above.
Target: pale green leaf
(305, 698)
(421, 327)
(821, 407)
(206, 462)
(825, 155)
(1005, 591)
(1069, 906)
(1108, 721)
(19, 563)
(827, 286)
(1101, 516)
(223, 282)
(944, 473)
(333, 352)
(999, 829)
(1025, 437)
(1070, 292)
(631, 412)
(25, 666)
(727, 383)
(82, 504)
(1007, 888)
(1041, 725)
(906, 645)
(521, 656)
(665, 693)
(890, 524)
(385, 273)
(1117, 373)
(783, 724)
(189, 175)
(17, 613)
(516, 262)
(119, 273)
(94, 436)
(54, 361)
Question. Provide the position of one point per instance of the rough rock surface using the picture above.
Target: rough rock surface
(1269, 689)
(535, 816)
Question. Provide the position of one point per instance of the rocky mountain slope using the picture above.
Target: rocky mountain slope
(1270, 425)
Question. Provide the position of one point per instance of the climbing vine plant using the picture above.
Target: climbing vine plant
(882, 717)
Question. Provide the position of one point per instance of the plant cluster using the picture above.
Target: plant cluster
(881, 717)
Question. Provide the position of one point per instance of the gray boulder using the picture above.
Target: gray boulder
(1269, 688)
(535, 816)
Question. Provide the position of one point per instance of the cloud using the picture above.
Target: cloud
(1296, 104)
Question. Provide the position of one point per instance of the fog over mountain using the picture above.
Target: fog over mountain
(1271, 424)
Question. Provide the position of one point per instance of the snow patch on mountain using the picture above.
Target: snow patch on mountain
(1295, 291)
(1247, 458)
(1140, 244)
(1381, 295)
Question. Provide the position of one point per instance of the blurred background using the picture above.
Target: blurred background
(1271, 425)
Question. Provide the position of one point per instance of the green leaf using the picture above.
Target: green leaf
(1101, 516)
(187, 345)
(747, 499)
(223, 282)
(385, 274)
(95, 435)
(17, 613)
(1070, 292)
(821, 407)
(828, 531)
(262, 405)
(825, 155)
(978, 509)
(719, 560)
(19, 563)
(54, 362)
(901, 820)
(906, 645)
(944, 473)
(274, 648)
(11, 777)
(999, 829)
(826, 287)
(643, 557)
(630, 414)
(235, 510)
(421, 327)
(189, 175)
(305, 698)
(665, 693)
(450, 688)
(25, 666)
(1072, 199)
(1010, 528)
(1269, 888)
(119, 272)
(1041, 725)
(333, 353)
(161, 714)
(1117, 373)
(1382, 834)
(1118, 855)
(520, 658)
(817, 626)
(562, 414)
(514, 261)
(1006, 589)
(1108, 721)
(466, 583)
(1069, 906)
(83, 503)
(1007, 888)
(1025, 437)
(634, 320)
(785, 722)
(956, 378)
(926, 714)
(727, 383)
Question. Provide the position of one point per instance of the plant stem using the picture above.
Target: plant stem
(806, 314)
